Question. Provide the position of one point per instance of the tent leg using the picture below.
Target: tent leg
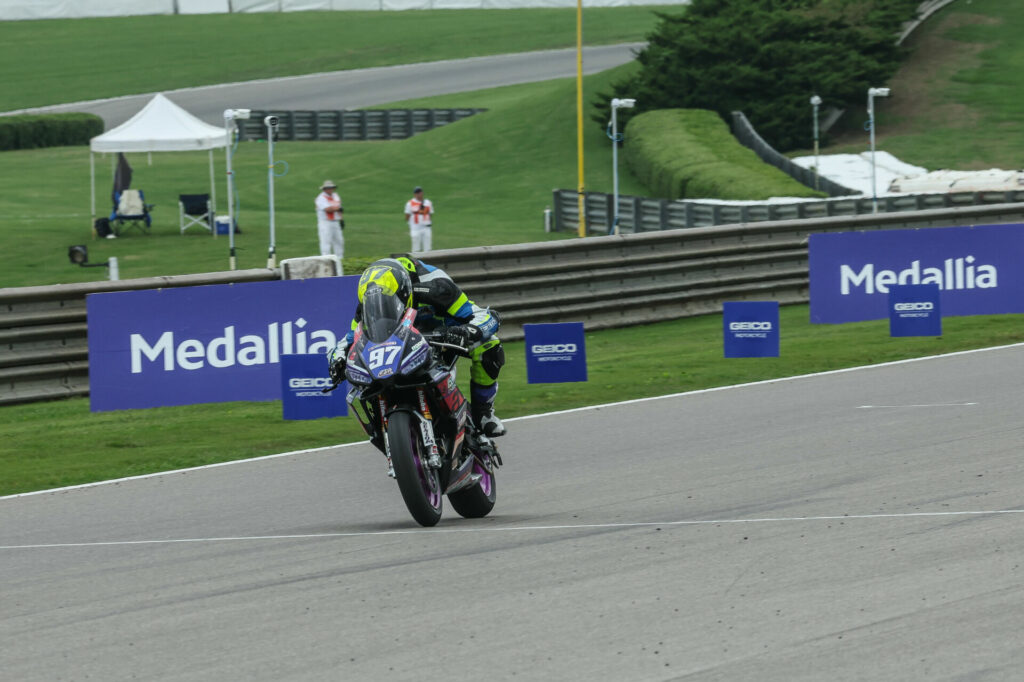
(92, 191)
(213, 199)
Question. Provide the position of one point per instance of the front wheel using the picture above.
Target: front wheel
(477, 500)
(418, 483)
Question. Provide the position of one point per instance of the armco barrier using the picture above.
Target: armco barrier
(614, 281)
(640, 214)
(43, 332)
(362, 124)
(608, 281)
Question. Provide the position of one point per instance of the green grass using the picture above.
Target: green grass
(61, 443)
(69, 60)
(958, 102)
(490, 178)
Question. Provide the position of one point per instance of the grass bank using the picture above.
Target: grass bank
(490, 177)
(61, 443)
(958, 101)
(108, 57)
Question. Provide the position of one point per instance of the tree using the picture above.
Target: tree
(765, 58)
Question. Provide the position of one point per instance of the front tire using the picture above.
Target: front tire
(418, 483)
(478, 500)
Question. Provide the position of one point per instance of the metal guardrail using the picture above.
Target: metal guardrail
(608, 281)
(640, 214)
(44, 351)
(743, 131)
(614, 281)
(362, 124)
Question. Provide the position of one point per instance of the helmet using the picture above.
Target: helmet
(407, 261)
(391, 276)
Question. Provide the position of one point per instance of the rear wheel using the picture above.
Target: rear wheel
(418, 483)
(478, 500)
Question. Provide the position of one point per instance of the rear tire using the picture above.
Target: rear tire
(418, 483)
(477, 501)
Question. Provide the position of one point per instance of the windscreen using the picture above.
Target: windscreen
(381, 314)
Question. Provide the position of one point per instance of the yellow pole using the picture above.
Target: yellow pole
(579, 115)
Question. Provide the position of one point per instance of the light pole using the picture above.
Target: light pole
(872, 94)
(815, 103)
(271, 123)
(230, 128)
(616, 138)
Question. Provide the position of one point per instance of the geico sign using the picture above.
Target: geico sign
(309, 382)
(920, 305)
(750, 326)
(539, 349)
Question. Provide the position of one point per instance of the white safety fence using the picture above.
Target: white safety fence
(75, 9)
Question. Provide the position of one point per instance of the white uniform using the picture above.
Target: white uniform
(328, 222)
(420, 216)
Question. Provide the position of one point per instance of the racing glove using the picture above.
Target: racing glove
(464, 335)
(336, 359)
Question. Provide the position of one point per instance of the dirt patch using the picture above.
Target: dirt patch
(916, 103)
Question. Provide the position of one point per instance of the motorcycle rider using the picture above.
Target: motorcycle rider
(440, 304)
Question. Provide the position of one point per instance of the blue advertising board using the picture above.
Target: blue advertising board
(977, 269)
(555, 353)
(303, 378)
(750, 329)
(207, 344)
(914, 310)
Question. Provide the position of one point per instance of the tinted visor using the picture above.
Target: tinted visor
(381, 314)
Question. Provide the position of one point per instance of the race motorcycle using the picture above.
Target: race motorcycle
(404, 394)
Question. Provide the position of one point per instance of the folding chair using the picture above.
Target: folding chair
(131, 209)
(194, 209)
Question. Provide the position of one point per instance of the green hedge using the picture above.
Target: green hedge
(690, 153)
(48, 130)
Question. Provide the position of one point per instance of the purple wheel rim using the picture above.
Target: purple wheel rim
(485, 478)
(433, 491)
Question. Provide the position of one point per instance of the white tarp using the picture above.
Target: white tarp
(204, 6)
(74, 9)
(161, 126)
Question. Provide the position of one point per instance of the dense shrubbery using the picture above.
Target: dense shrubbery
(48, 130)
(691, 154)
(766, 58)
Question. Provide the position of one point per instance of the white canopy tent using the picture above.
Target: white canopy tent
(161, 126)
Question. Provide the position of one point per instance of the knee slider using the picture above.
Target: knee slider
(492, 360)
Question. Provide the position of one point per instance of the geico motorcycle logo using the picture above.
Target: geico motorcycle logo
(920, 305)
(750, 326)
(309, 382)
(543, 349)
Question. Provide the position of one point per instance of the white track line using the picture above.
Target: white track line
(894, 407)
(531, 416)
(506, 529)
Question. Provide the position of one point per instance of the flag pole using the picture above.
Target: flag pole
(581, 198)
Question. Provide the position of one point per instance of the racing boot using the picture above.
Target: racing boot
(485, 419)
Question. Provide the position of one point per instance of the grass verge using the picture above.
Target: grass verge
(490, 177)
(61, 443)
(958, 101)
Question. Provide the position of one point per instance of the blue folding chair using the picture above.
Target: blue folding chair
(130, 210)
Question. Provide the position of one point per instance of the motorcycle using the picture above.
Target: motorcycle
(404, 394)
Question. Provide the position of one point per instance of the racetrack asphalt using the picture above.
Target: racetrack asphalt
(860, 525)
(363, 88)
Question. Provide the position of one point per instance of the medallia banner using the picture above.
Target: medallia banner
(208, 344)
(979, 270)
